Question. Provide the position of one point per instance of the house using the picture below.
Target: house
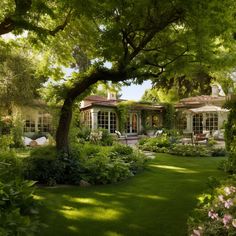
(103, 112)
(202, 114)
(34, 118)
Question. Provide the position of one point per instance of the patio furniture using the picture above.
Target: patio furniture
(187, 138)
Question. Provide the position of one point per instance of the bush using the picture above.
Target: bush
(102, 170)
(41, 165)
(18, 209)
(6, 141)
(216, 214)
(156, 144)
(10, 166)
(95, 164)
(190, 150)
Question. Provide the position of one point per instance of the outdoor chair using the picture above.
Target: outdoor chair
(187, 138)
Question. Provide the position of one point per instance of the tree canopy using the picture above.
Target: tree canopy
(159, 40)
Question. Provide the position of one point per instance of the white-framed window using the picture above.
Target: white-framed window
(211, 121)
(29, 124)
(87, 119)
(44, 122)
(113, 122)
(197, 123)
(103, 120)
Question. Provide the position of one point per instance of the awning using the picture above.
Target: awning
(208, 108)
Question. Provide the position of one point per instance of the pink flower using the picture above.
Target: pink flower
(196, 232)
(229, 190)
(227, 218)
(221, 198)
(234, 223)
(213, 215)
(229, 203)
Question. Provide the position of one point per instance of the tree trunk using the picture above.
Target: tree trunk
(62, 134)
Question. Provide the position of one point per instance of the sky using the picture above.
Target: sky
(135, 92)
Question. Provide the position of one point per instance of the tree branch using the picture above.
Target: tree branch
(16, 21)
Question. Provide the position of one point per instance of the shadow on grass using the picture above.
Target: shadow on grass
(155, 202)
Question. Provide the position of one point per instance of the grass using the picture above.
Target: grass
(155, 202)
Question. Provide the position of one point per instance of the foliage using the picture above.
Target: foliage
(10, 166)
(101, 136)
(168, 143)
(168, 117)
(230, 138)
(216, 213)
(155, 144)
(17, 131)
(18, 209)
(6, 141)
(190, 150)
(93, 163)
(122, 112)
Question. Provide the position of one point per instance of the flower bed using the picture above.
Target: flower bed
(216, 214)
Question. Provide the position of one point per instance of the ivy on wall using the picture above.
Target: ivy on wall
(168, 116)
(122, 112)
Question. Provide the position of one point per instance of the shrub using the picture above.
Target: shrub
(10, 166)
(18, 209)
(95, 164)
(6, 141)
(190, 150)
(156, 144)
(102, 170)
(216, 214)
(41, 165)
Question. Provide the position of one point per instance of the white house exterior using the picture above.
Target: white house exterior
(101, 112)
(202, 114)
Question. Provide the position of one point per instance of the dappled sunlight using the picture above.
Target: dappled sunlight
(147, 196)
(104, 194)
(175, 168)
(37, 197)
(111, 233)
(73, 228)
(97, 213)
(88, 201)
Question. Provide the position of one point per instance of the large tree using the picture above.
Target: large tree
(141, 39)
(146, 39)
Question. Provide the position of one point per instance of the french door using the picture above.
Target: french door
(132, 123)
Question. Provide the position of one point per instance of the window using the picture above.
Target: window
(44, 122)
(103, 120)
(211, 121)
(87, 119)
(155, 121)
(181, 122)
(112, 122)
(29, 125)
(197, 123)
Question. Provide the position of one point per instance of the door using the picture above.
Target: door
(132, 123)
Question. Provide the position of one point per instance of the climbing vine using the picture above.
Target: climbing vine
(122, 112)
(168, 117)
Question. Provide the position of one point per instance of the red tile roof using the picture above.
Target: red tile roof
(95, 100)
(200, 100)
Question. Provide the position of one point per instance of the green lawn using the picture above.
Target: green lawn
(155, 202)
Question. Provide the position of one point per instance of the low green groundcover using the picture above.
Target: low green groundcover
(157, 201)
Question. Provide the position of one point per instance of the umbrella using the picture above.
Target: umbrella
(208, 108)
